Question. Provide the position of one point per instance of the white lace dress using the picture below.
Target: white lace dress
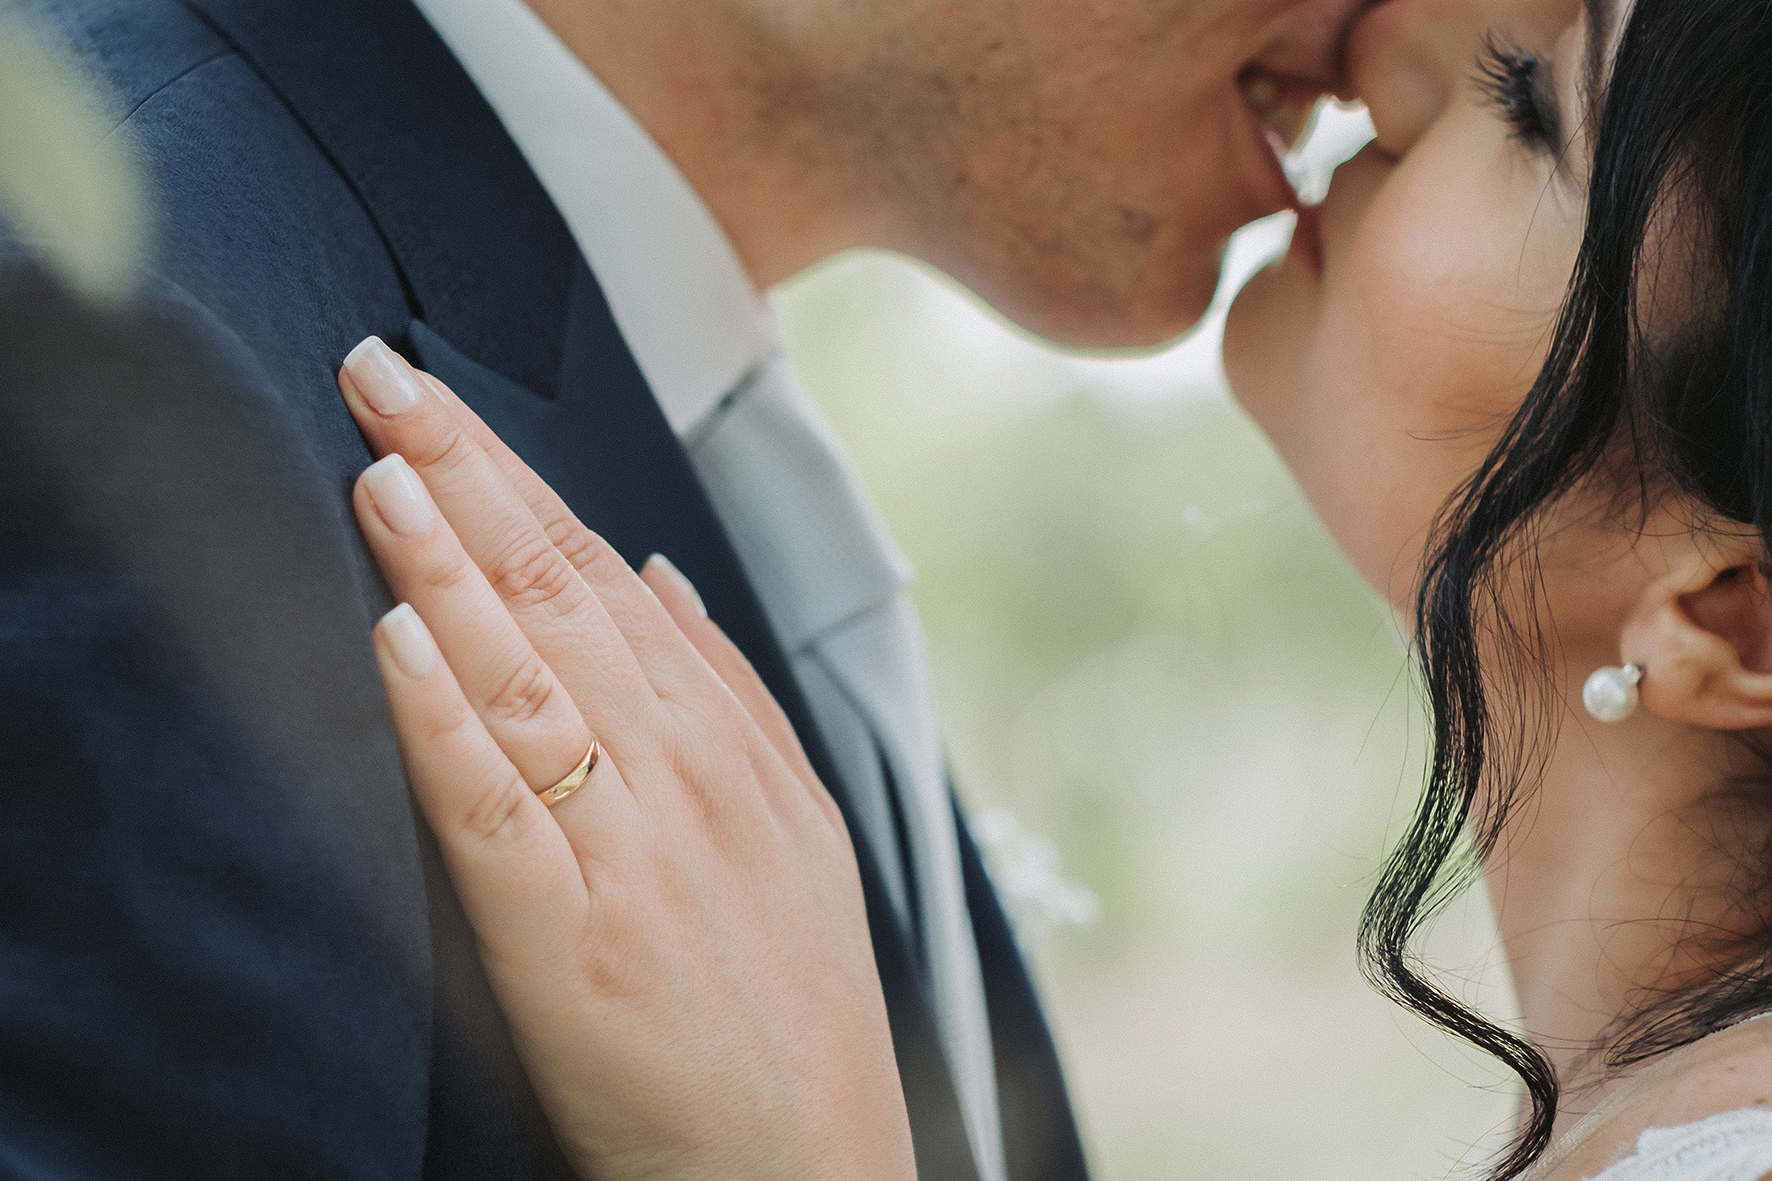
(1734, 1146)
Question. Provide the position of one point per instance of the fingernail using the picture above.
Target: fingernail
(678, 579)
(399, 496)
(382, 378)
(409, 641)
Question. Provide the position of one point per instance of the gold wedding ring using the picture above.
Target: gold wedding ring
(575, 779)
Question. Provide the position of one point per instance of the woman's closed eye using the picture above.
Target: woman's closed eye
(1517, 84)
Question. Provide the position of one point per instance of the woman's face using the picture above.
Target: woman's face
(1385, 353)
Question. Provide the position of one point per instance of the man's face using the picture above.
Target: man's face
(1077, 163)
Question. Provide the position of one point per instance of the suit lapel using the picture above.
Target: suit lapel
(484, 257)
(1040, 1139)
(504, 307)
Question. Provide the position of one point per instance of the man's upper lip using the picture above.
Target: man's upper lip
(1273, 192)
(1283, 102)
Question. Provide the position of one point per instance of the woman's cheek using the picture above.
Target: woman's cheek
(1267, 346)
(1468, 251)
(1384, 384)
(1409, 387)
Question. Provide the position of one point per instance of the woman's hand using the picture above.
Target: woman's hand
(680, 945)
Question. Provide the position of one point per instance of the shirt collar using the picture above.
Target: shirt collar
(682, 299)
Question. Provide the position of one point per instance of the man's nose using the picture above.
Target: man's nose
(1309, 44)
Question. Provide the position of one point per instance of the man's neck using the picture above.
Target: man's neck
(754, 148)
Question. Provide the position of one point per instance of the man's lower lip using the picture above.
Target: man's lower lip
(1307, 240)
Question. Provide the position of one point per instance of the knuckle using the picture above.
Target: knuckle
(586, 552)
(445, 569)
(703, 748)
(524, 694)
(532, 573)
(445, 731)
(497, 810)
(497, 794)
(443, 448)
(610, 966)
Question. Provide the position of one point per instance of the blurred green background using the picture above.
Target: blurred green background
(1153, 668)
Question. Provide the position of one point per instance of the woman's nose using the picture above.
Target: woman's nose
(1411, 61)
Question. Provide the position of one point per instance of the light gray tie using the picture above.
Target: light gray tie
(832, 583)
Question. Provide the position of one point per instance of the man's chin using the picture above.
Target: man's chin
(1125, 320)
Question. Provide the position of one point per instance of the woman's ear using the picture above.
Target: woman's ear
(1703, 637)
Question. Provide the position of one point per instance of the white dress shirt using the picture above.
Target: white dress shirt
(825, 569)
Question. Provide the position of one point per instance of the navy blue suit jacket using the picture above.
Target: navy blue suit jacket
(227, 949)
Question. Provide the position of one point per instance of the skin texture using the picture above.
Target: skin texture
(1383, 370)
(1078, 164)
(1722, 1073)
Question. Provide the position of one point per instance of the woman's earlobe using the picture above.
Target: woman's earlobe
(1703, 637)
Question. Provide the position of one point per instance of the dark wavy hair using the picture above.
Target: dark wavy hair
(1682, 154)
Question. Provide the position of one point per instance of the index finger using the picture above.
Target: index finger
(514, 524)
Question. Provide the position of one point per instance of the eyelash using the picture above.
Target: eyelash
(1513, 82)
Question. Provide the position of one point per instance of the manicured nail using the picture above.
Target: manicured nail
(383, 378)
(399, 496)
(669, 569)
(409, 641)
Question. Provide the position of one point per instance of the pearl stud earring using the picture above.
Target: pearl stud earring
(1611, 693)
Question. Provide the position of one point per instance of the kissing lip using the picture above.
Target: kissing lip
(1290, 102)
